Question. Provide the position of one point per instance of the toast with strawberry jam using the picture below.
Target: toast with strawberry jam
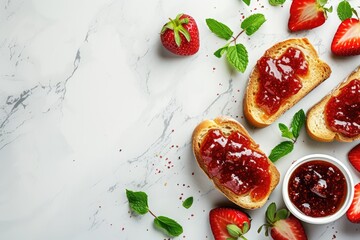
(337, 115)
(286, 72)
(228, 155)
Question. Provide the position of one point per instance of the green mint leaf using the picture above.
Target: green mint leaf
(218, 53)
(281, 150)
(230, 239)
(247, 2)
(252, 23)
(233, 230)
(285, 131)
(169, 226)
(344, 10)
(188, 202)
(237, 56)
(220, 29)
(276, 2)
(138, 201)
(297, 122)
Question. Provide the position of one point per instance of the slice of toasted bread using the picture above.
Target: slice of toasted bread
(318, 71)
(315, 122)
(227, 126)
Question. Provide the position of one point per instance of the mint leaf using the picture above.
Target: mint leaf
(188, 202)
(220, 29)
(138, 201)
(297, 122)
(218, 53)
(252, 23)
(276, 2)
(247, 2)
(281, 150)
(344, 10)
(237, 56)
(233, 230)
(168, 226)
(285, 131)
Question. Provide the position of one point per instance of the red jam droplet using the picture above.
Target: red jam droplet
(235, 164)
(342, 112)
(317, 188)
(278, 79)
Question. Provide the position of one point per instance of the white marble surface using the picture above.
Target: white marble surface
(90, 104)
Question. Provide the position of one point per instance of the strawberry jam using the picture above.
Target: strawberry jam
(279, 79)
(342, 112)
(232, 160)
(317, 188)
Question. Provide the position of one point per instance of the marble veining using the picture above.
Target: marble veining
(91, 105)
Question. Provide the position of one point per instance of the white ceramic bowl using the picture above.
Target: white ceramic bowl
(319, 220)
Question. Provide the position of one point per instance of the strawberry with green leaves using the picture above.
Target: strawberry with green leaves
(181, 35)
(282, 225)
(346, 41)
(307, 14)
(228, 223)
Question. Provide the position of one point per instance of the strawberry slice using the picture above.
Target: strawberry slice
(354, 157)
(346, 41)
(228, 223)
(353, 213)
(307, 14)
(282, 225)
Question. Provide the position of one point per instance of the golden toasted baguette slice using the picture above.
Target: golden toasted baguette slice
(318, 71)
(315, 122)
(228, 126)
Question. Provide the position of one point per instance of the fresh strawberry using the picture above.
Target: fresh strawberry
(346, 41)
(181, 36)
(307, 14)
(354, 157)
(282, 225)
(353, 214)
(228, 223)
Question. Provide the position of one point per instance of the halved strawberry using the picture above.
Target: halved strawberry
(346, 41)
(307, 14)
(228, 223)
(282, 225)
(353, 214)
(354, 157)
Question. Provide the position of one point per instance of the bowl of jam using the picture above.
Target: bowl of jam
(318, 189)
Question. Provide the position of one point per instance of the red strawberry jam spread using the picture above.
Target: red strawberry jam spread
(279, 79)
(342, 112)
(317, 188)
(232, 160)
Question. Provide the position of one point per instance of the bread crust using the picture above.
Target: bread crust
(316, 126)
(318, 71)
(228, 125)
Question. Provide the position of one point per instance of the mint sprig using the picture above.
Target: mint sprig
(345, 11)
(276, 2)
(188, 202)
(291, 134)
(138, 202)
(236, 53)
